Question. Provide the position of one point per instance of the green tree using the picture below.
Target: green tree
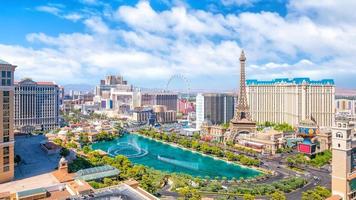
(248, 197)
(17, 159)
(72, 145)
(277, 195)
(86, 149)
(188, 193)
(64, 152)
(57, 141)
(147, 184)
(318, 193)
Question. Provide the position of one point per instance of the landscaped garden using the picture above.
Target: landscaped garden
(300, 160)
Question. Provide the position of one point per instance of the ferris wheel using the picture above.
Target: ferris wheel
(183, 80)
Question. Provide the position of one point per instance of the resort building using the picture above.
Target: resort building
(154, 114)
(292, 100)
(36, 106)
(185, 106)
(343, 183)
(6, 121)
(213, 132)
(218, 108)
(345, 107)
(315, 139)
(114, 93)
(267, 141)
(112, 82)
(170, 100)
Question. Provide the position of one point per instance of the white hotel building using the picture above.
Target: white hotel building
(292, 100)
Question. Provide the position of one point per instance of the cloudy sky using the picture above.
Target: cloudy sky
(80, 41)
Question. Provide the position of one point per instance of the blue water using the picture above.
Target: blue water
(160, 156)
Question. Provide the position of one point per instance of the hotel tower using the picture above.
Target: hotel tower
(292, 100)
(6, 121)
(343, 175)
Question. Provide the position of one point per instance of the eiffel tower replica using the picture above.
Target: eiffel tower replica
(241, 122)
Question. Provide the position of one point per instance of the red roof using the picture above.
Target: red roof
(45, 83)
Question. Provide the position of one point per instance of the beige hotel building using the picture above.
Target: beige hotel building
(292, 100)
(6, 121)
(36, 106)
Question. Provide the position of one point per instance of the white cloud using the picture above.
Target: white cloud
(97, 25)
(326, 12)
(176, 21)
(49, 9)
(73, 17)
(238, 2)
(195, 43)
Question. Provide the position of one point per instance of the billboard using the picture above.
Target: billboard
(306, 148)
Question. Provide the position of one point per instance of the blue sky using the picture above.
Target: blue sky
(80, 41)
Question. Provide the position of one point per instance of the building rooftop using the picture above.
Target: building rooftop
(2, 62)
(122, 191)
(296, 81)
(31, 192)
(97, 173)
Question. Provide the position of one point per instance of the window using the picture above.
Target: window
(6, 150)
(6, 113)
(6, 139)
(6, 168)
(339, 135)
(338, 145)
(6, 125)
(3, 74)
(6, 106)
(6, 160)
(6, 93)
(8, 74)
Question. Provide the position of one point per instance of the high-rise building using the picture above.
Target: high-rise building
(112, 82)
(218, 108)
(6, 121)
(169, 100)
(36, 105)
(345, 106)
(343, 175)
(292, 100)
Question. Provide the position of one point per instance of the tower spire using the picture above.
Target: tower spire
(242, 122)
(242, 108)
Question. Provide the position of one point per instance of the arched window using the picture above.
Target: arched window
(339, 135)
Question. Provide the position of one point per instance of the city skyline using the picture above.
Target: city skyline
(90, 39)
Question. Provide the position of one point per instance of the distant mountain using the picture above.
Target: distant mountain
(345, 92)
(79, 87)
